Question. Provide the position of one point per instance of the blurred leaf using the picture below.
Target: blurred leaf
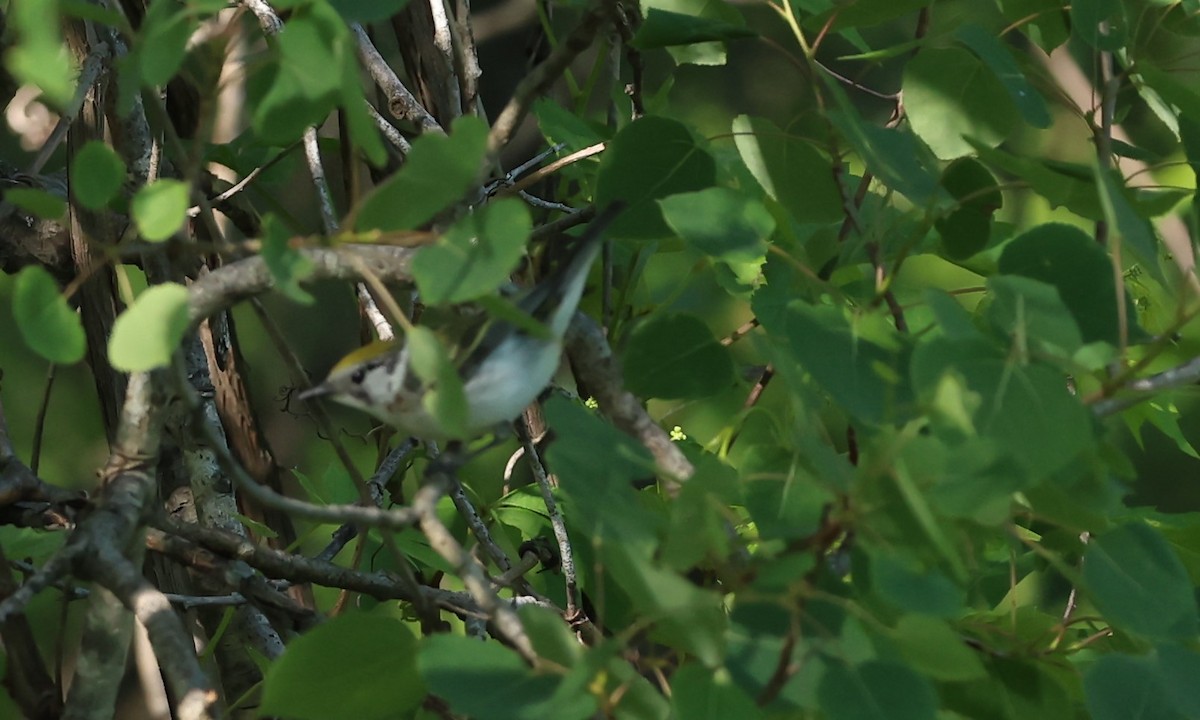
(162, 41)
(901, 581)
(488, 680)
(966, 229)
(438, 171)
(1061, 185)
(1140, 585)
(935, 649)
(560, 125)
(40, 58)
(287, 266)
(701, 694)
(1072, 262)
(308, 77)
(38, 203)
(1122, 217)
(444, 399)
(784, 500)
(789, 169)
(1119, 687)
(675, 356)
(662, 28)
(949, 94)
(999, 59)
(337, 670)
(147, 333)
(1177, 668)
(720, 222)
(49, 326)
(1099, 23)
(651, 158)
(97, 174)
(876, 691)
(160, 209)
(1033, 315)
(475, 256)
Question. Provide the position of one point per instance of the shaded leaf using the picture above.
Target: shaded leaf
(675, 356)
(147, 333)
(49, 326)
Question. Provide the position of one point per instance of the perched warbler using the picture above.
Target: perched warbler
(501, 365)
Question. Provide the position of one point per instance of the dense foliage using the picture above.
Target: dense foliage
(896, 282)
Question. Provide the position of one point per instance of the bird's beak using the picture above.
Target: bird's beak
(316, 391)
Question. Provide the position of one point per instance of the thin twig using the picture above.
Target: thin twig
(401, 102)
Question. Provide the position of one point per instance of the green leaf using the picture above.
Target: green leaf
(999, 59)
(784, 500)
(934, 648)
(1178, 667)
(1139, 584)
(475, 256)
(40, 57)
(287, 266)
(1121, 215)
(651, 158)
(1099, 23)
(662, 28)
(37, 202)
(160, 209)
(97, 174)
(701, 694)
(720, 222)
(147, 333)
(1033, 315)
(1072, 262)
(560, 125)
(675, 356)
(445, 399)
(875, 691)
(438, 172)
(356, 666)
(864, 377)
(49, 326)
(789, 169)
(162, 41)
(487, 680)
(1059, 184)
(966, 230)
(901, 581)
(948, 94)
(1120, 687)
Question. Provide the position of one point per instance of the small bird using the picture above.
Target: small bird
(502, 366)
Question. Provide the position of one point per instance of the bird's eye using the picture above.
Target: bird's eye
(358, 375)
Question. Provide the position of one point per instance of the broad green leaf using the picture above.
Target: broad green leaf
(1099, 23)
(475, 256)
(897, 157)
(784, 500)
(445, 399)
(1059, 184)
(49, 326)
(864, 377)
(789, 169)
(935, 649)
(488, 680)
(949, 94)
(560, 125)
(356, 666)
(1139, 584)
(160, 209)
(966, 229)
(309, 74)
(720, 222)
(876, 691)
(287, 266)
(988, 48)
(1032, 314)
(38, 203)
(662, 28)
(1072, 262)
(162, 41)
(698, 53)
(651, 158)
(147, 333)
(1026, 410)
(903, 582)
(40, 57)
(97, 173)
(698, 526)
(1120, 687)
(439, 171)
(675, 356)
(1177, 668)
(601, 499)
(701, 694)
